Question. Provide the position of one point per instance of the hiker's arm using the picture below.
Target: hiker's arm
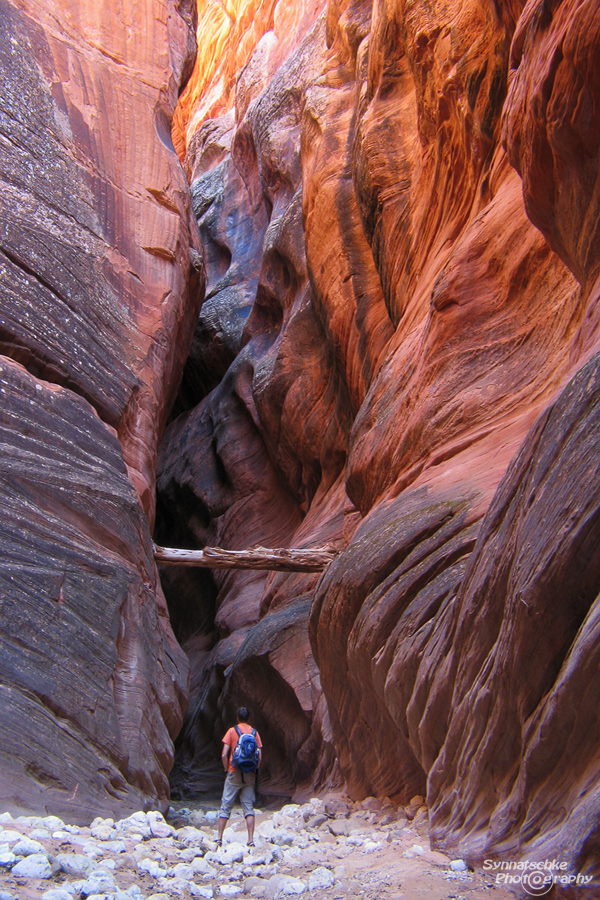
(225, 755)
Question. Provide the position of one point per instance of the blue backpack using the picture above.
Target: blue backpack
(246, 755)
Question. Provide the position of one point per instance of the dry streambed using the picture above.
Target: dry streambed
(329, 848)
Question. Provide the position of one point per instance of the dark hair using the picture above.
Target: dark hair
(242, 714)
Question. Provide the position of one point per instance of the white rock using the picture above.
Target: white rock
(52, 823)
(133, 892)
(191, 837)
(136, 824)
(189, 854)
(258, 857)
(355, 840)
(61, 835)
(115, 846)
(174, 885)
(230, 890)
(226, 856)
(458, 865)
(283, 837)
(369, 846)
(38, 834)
(291, 809)
(181, 870)
(5, 818)
(35, 866)
(98, 882)
(320, 879)
(103, 832)
(7, 859)
(201, 867)
(197, 890)
(100, 821)
(211, 816)
(92, 850)
(27, 847)
(158, 826)
(284, 885)
(265, 829)
(57, 894)
(136, 818)
(10, 837)
(267, 871)
(151, 867)
(75, 864)
(417, 849)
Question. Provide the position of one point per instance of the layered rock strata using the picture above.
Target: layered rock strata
(100, 274)
(393, 337)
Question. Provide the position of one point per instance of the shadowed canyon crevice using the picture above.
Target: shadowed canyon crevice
(391, 226)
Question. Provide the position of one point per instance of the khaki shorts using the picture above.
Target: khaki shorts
(241, 783)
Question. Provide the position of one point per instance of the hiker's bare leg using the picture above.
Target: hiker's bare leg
(222, 824)
(250, 827)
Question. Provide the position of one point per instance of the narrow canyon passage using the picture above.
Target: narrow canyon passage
(376, 366)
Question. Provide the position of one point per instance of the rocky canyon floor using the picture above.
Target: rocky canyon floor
(325, 848)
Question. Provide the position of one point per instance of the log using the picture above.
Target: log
(280, 560)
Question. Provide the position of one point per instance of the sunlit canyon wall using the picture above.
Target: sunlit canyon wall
(396, 356)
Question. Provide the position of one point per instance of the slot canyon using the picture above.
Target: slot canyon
(304, 274)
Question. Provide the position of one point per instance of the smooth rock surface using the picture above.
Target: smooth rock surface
(98, 309)
(401, 267)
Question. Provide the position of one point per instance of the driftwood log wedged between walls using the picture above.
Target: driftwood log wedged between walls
(397, 345)
(270, 559)
(101, 279)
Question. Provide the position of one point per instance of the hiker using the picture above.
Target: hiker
(241, 758)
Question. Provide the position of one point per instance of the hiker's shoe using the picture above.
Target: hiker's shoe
(219, 842)
(251, 844)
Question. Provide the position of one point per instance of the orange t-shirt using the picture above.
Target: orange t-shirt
(231, 739)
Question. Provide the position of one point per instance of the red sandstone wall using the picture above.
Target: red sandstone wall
(381, 362)
(97, 310)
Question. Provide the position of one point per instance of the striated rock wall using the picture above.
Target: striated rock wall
(381, 363)
(101, 276)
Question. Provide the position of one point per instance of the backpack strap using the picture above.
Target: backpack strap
(238, 732)
(254, 732)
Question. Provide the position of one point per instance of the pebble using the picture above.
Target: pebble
(158, 826)
(98, 882)
(151, 867)
(35, 866)
(10, 837)
(297, 852)
(201, 867)
(27, 847)
(75, 864)
(458, 865)
(320, 879)
(227, 855)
